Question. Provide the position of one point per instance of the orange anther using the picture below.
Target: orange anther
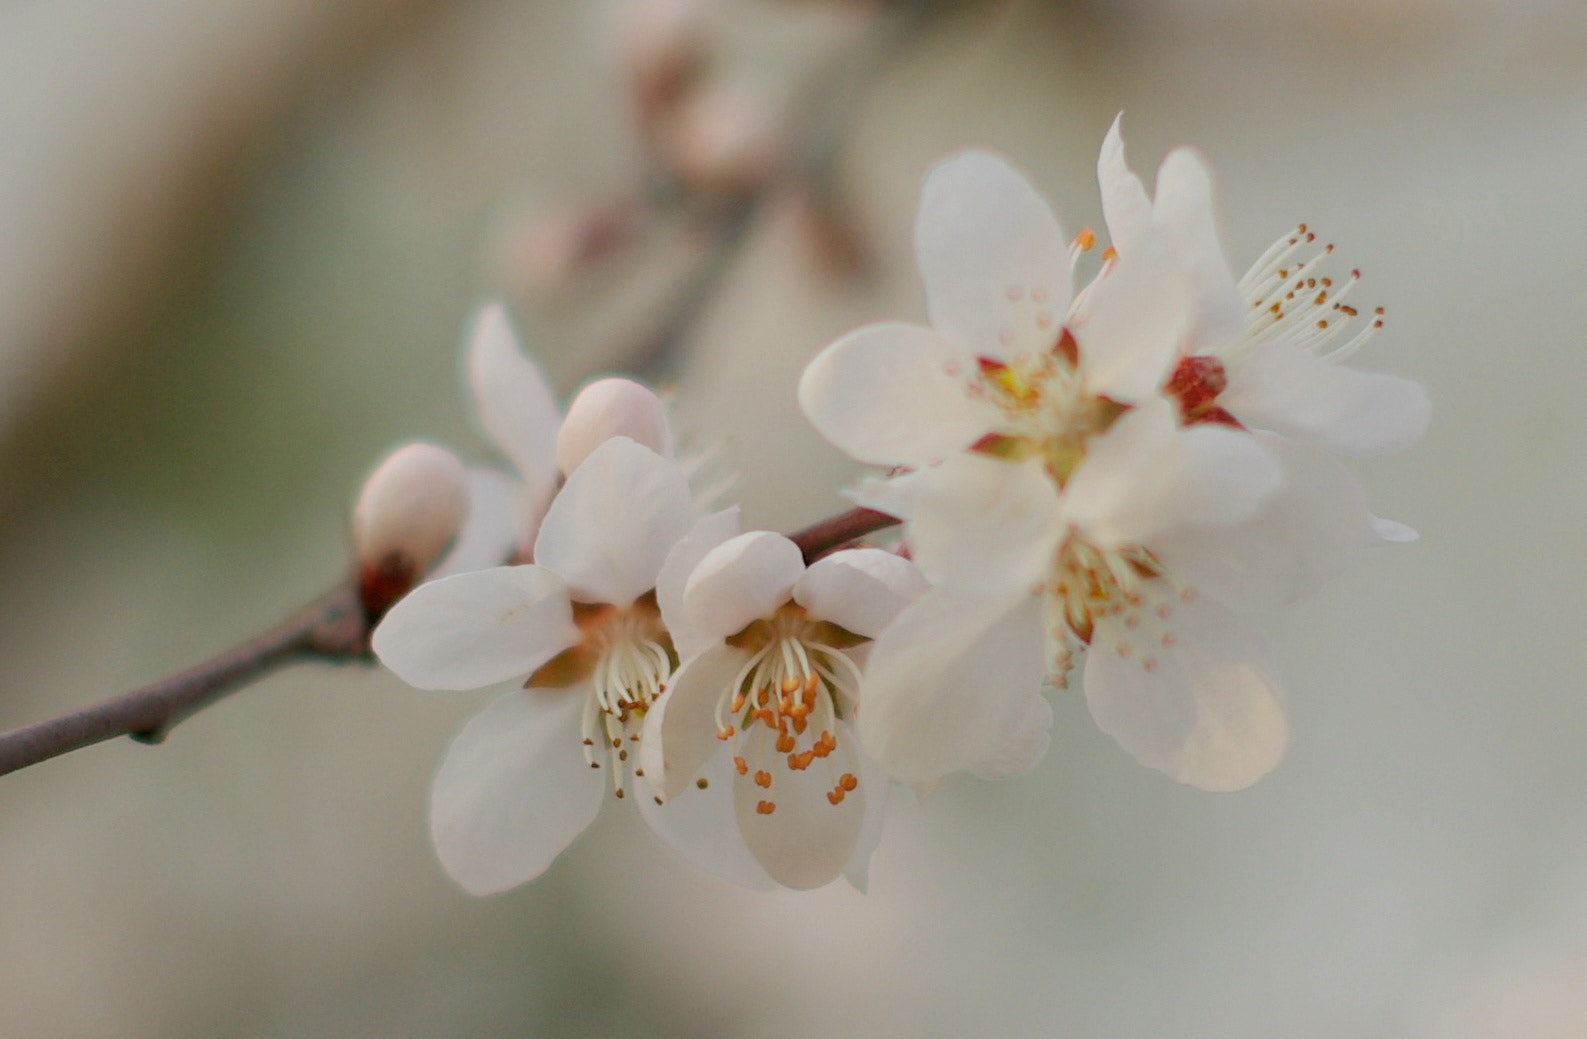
(1084, 241)
(1109, 254)
(738, 703)
(835, 796)
(763, 779)
(799, 724)
(725, 732)
(789, 684)
(741, 765)
(785, 743)
(847, 781)
(765, 807)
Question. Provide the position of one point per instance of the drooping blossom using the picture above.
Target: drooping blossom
(767, 700)
(1056, 502)
(581, 628)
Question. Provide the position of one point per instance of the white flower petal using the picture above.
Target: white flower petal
(1184, 214)
(978, 524)
(983, 232)
(1290, 390)
(742, 580)
(1206, 710)
(498, 507)
(806, 841)
(514, 790)
(1136, 316)
(705, 535)
(609, 530)
(515, 402)
(878, 789)
(893, 394)
(1145, 478)
(701, 824)
(1309, 532)
(1392, 532)
(1125, 207)
(680, 727)
(476, 629)
(1024, 748)
(949, 683)
(859, 589)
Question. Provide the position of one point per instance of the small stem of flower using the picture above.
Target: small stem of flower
(333, 629)
(834, 532)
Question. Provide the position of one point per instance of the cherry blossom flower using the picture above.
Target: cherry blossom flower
(1057, 503)
(525, 776)
(1263, 351)
(769, 699)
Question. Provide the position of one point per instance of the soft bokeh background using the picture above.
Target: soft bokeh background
(238, 241)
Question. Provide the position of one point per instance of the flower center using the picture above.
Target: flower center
(626, 655)
(1089, 584)
(781, 712)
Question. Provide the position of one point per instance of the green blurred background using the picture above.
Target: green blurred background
(238, 242)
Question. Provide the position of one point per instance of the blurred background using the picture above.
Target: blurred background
(238, 243)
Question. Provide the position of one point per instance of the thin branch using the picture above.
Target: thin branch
(834, 532)
(332, 629)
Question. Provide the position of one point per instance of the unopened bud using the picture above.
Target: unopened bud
(610, 408)
(407, 513)
(722, 141)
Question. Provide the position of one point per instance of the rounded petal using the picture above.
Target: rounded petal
(805, 840)
(1310, 531)
(982, 235)
(476, 629)
(608, 408)
(1026, 746)
(741, 580)
(609, 530)
(859, 589)
(1135, 317)
(498, 507)
(514, 790)
(1290, 390)
(1184, 215)
(680, 727)
(1201, 706)
(949, 683)
(978, 524)
(1146, 478)
(1125, 206)
(514, 400)
(705, 535)
(701, 824)
(893, 394)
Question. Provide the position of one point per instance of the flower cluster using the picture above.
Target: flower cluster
(1101, 478)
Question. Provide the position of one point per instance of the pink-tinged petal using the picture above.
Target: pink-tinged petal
(992, 256)
(498, 507)
(893, 394)
(981, 525)
(609, 408)
(742, 580)
(514, 790)
(1184, 215)
(1025, 746)
(1146, 478)
(705, 535)
(860, 589)
(1136, 315)
(514, 400)
(805, 840)
(878, 789)
(1190, 695)
(681, 726)
(1125, 206)
(476, 629)
(1392, 532)
(949, 683)
(609, 530)
(1290, 390)
(1309, 532)
(701, 825)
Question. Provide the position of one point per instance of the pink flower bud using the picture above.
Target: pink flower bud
(409, 510)
(722, 141)
(609, 408)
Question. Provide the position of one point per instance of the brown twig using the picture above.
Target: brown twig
(333, 629)
(834, 532)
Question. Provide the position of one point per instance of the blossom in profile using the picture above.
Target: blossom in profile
(581, 629)
(1057, 502)
(762, 710)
